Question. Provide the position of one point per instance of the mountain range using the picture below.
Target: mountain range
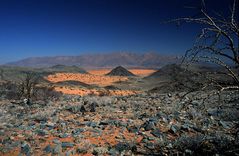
(108, 60)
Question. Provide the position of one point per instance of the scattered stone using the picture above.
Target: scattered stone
(50, 126)
(82, 109)
(156, 133)
(188, 152)
(81, 151)
(41, 132)
(57, 149)
(122, 147)
(104, 123)
(133, 129)
(78, 131)
(169, 145)
(113, 151)
(56, 141)
(150, 145)
(71, 152)
(91, 124)
(214, 112)
(93, 107)
(174, 129)
(225, 124)
(47, 149)
(26, 149)
(185, 127)
(42, 125)
(100, 151)
(73, 109)
(148, 125)
(67, 144)
(142, 116)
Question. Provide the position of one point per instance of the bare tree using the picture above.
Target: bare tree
(217, 43)
(28, 85)
(1, 74)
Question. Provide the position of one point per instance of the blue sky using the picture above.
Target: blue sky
(30, 28)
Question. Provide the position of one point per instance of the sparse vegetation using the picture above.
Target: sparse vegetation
(28, 85)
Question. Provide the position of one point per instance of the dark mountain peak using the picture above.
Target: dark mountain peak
(120, 71)
(120, 68)
(167, 70)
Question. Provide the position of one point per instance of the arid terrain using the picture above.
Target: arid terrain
(119, 78)
(148, 112)
(98, 79)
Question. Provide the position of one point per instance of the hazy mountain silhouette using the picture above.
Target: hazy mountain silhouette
(126, 59)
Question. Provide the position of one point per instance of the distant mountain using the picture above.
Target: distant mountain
(64, 68)
(109, 60)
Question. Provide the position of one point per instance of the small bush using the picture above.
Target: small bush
(46, 93)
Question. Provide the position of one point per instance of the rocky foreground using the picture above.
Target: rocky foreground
(148, 124)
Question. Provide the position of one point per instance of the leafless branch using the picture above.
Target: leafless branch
(218, 41)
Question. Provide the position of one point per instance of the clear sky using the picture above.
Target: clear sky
(31, 28)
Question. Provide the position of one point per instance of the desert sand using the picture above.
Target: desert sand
(90, 79)
(97, 78)
(138, 72)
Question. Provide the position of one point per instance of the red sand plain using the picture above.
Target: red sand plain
(138, 72)
(95, 77)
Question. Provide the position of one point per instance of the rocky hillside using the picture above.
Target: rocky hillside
(174, 77)
(147, 60)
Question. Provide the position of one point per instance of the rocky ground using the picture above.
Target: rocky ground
(177, 123)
